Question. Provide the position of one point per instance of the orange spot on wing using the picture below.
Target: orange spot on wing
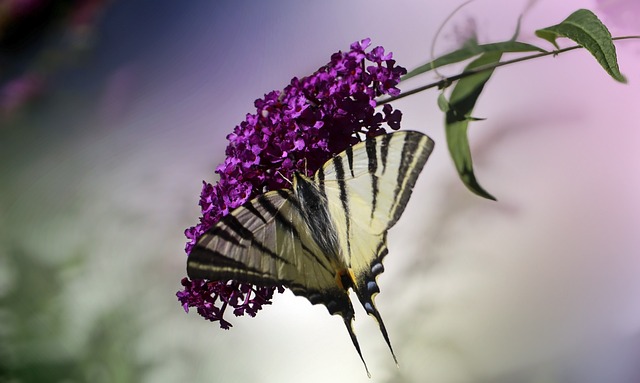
(345, 279)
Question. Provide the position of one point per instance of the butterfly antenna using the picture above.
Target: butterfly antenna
(283, 177)
(349, 323)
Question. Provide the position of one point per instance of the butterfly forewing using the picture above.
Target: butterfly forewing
(266, 242)
(261, 242)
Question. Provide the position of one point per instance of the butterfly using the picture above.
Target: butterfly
(327, 235)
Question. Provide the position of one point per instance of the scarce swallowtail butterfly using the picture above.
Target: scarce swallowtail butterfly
(325, 236)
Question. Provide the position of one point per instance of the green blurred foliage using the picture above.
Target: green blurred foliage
(39, 344)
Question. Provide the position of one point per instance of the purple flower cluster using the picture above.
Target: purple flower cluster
(293, 130)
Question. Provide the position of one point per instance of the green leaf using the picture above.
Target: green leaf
(443, 104)
(469, 51)
(584, 27)
(461, 103)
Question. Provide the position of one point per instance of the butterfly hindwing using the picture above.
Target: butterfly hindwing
(367, 188)
(255, 243)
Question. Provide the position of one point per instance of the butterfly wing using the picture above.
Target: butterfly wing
(266, 242)
(367, 188)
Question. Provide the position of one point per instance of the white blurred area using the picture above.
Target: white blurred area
(541, 286)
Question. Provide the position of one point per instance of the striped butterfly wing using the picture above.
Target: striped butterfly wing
(367, 188)
(266, 242)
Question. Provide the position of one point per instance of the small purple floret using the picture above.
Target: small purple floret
(293, 130)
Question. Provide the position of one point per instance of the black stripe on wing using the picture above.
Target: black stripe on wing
(204, 263)
(256, 212)
(234, 224)
(349, 153)
(225, 235)
(384, 151)
(200, 264)
(339, 167)
(372, 167)
(415, 151)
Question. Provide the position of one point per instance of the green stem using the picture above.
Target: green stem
(448, 80)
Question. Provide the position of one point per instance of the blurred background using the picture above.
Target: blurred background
(113, 112)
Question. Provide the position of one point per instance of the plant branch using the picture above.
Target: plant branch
(448, 80)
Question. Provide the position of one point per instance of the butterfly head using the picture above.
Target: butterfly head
(299, 179)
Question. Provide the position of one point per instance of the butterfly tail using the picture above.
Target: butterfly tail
(366, 290)
(348, 321)
(337, 303)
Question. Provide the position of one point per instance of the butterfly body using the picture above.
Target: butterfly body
(316, 216)
(327, 235)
